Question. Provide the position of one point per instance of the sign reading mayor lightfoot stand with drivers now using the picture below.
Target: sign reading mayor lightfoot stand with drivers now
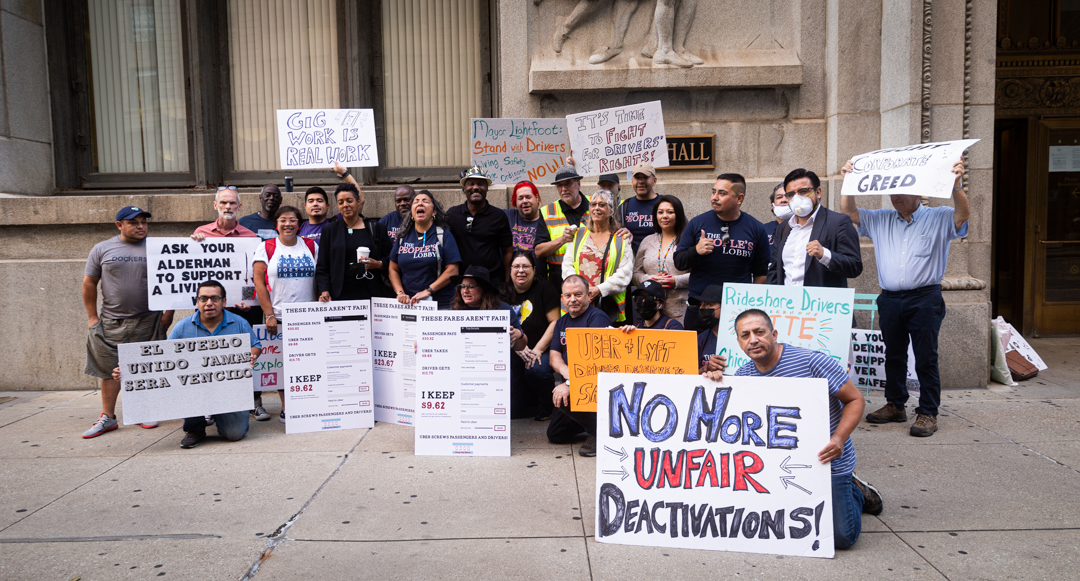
(684, 462)
(923, 169)
(316, 138)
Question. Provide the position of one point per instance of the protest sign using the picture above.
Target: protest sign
(1018, 343)
(514, 150)
(685, 462)
(328, 383)
(924, 169)
(266, 374)
(814, 317)
(393, 343)
(868, 361)
(185, 378)
(176, 266)
(316, 138)
(592, 351)
(615, 140)
(463, 384)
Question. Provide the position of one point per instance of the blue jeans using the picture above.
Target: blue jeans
(847, 503)
(538, 381)
(231, 426)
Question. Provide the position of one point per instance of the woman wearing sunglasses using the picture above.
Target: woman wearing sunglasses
(601, 256)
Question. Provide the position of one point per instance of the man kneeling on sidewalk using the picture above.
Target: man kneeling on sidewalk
(851, 495)
(209, 320)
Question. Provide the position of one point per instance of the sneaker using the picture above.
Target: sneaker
(191, 439)
(209, 420)
(102, 425)
(282, 416)
(260, 414)
(889, 412)
(924, 426)
(588, 449)
(149, 425)
(872, 503)
(542, 416)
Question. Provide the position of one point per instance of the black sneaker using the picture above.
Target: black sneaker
(872, 503)
(588, 449)
(191, 439)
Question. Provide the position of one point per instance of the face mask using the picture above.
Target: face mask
(647, 308)
(802, 206)
(782, 212)
(707, 316)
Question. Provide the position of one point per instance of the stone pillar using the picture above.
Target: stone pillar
(26, 154)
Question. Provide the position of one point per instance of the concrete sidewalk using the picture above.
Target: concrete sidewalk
(992, 495)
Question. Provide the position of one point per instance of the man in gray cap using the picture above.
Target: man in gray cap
(561, 219)
(119, 264)
(637, 212)
(481, 230)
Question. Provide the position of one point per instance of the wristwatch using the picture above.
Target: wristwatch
(430, 290)
(344, 175)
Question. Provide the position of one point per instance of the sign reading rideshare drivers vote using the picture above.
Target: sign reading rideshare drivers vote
(316, 138)
(176, 266)
(685, 462)
(514, 150)
(615, 140)
(922, 170)
(813, 317)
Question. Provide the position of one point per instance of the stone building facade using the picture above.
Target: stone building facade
(781, 84)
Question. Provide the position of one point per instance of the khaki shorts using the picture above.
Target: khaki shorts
(106, 334)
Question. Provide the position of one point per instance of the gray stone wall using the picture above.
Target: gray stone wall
(26, 154)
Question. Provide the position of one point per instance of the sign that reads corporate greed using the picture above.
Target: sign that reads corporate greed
(316, 138)
(185, 378)
(814, 317)
(688, 463)
(615, 140)
(176, 266)
(514, 150)
(921, 170)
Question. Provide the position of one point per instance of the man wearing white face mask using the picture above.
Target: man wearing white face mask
(816, 246)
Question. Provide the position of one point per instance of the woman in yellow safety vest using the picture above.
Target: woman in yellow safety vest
(602, 257)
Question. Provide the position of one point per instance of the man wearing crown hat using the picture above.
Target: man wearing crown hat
(481, 230)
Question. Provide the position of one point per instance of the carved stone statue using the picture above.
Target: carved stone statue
(672, 21)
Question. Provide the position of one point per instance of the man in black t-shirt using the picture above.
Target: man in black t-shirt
(481, 230)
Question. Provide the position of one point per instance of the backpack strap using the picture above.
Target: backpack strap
(310, 246)
(438, 249)
(271, 246)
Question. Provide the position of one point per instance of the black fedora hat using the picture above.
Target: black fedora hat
(482, 276)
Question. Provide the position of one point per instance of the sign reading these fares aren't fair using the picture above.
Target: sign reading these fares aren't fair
(685, 462)
(615, 140)
(921, 170)
(176, 266)
(814, 317)
(514, 150)
(316, 138)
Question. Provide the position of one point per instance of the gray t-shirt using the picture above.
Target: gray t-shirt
(121, 266)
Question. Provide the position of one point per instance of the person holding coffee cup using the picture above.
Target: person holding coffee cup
(355, 252)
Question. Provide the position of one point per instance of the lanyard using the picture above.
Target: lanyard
(661, 261)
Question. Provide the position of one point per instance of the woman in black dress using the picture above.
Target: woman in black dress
(341, 274)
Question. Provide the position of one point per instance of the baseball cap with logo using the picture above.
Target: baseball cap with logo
(130, 212)
(645, 168)
(653, 288)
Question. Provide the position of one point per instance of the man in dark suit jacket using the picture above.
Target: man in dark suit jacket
(816, 247)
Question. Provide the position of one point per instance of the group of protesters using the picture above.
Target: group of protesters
(570, 263)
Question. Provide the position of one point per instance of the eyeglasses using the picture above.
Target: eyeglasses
(468, 223)
(800, 191)
(469, 287)
(204, 298)
(233, 188)
(521, 267)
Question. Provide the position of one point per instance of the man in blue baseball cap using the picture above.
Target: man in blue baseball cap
(119, 265)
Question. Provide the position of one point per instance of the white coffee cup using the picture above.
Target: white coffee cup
(362, 252)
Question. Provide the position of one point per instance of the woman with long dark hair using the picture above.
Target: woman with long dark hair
(425, 255)
(536, 305)
(656, 256)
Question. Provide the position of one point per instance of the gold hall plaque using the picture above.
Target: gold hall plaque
(690, 152)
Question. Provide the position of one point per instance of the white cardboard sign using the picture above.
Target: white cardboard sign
(269, 371)
(185, 378)
(514, 150)
(615, 140)
(924, 169)
(176, 266)
(684, 462)
(316, 138)
(328, 384)
(393, 342)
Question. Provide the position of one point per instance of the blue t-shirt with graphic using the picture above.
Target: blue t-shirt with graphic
(391, 222)
(417, 258)
(743, 256)
(638, 218)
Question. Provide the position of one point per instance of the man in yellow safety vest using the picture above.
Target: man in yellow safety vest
(561, 219)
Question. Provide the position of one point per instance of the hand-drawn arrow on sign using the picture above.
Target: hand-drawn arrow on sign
(620, 453)
(625, 473)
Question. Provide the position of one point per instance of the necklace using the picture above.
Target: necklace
(661, 261)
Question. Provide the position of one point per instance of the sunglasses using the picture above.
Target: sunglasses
(233, 188)
(724, 239)
(468, 287)
(469, 223)
(800, 191)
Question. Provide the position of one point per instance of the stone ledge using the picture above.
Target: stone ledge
(737, 69)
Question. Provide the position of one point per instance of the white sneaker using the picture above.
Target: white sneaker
(102, 425)
(282, 416)
(260, 414)
(149, 425)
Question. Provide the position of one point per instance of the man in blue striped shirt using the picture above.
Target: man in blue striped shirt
(851, 496)
(911, 244)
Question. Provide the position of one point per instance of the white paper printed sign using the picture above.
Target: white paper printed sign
(267, 374)
(683, 462)
(615, 140)
(814, 317)
(185, 378)
(514, 150)
(924, 169)
(393, 342)
(176, 266)
(1018, 343)
(316, 138)
(463, 384)
(868, 361)
(328, 383)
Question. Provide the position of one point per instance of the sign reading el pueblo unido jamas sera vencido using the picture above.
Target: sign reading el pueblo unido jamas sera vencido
(684, 462)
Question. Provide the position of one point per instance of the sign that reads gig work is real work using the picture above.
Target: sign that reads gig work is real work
(514, 150)
(615, 140)
(316, 138)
